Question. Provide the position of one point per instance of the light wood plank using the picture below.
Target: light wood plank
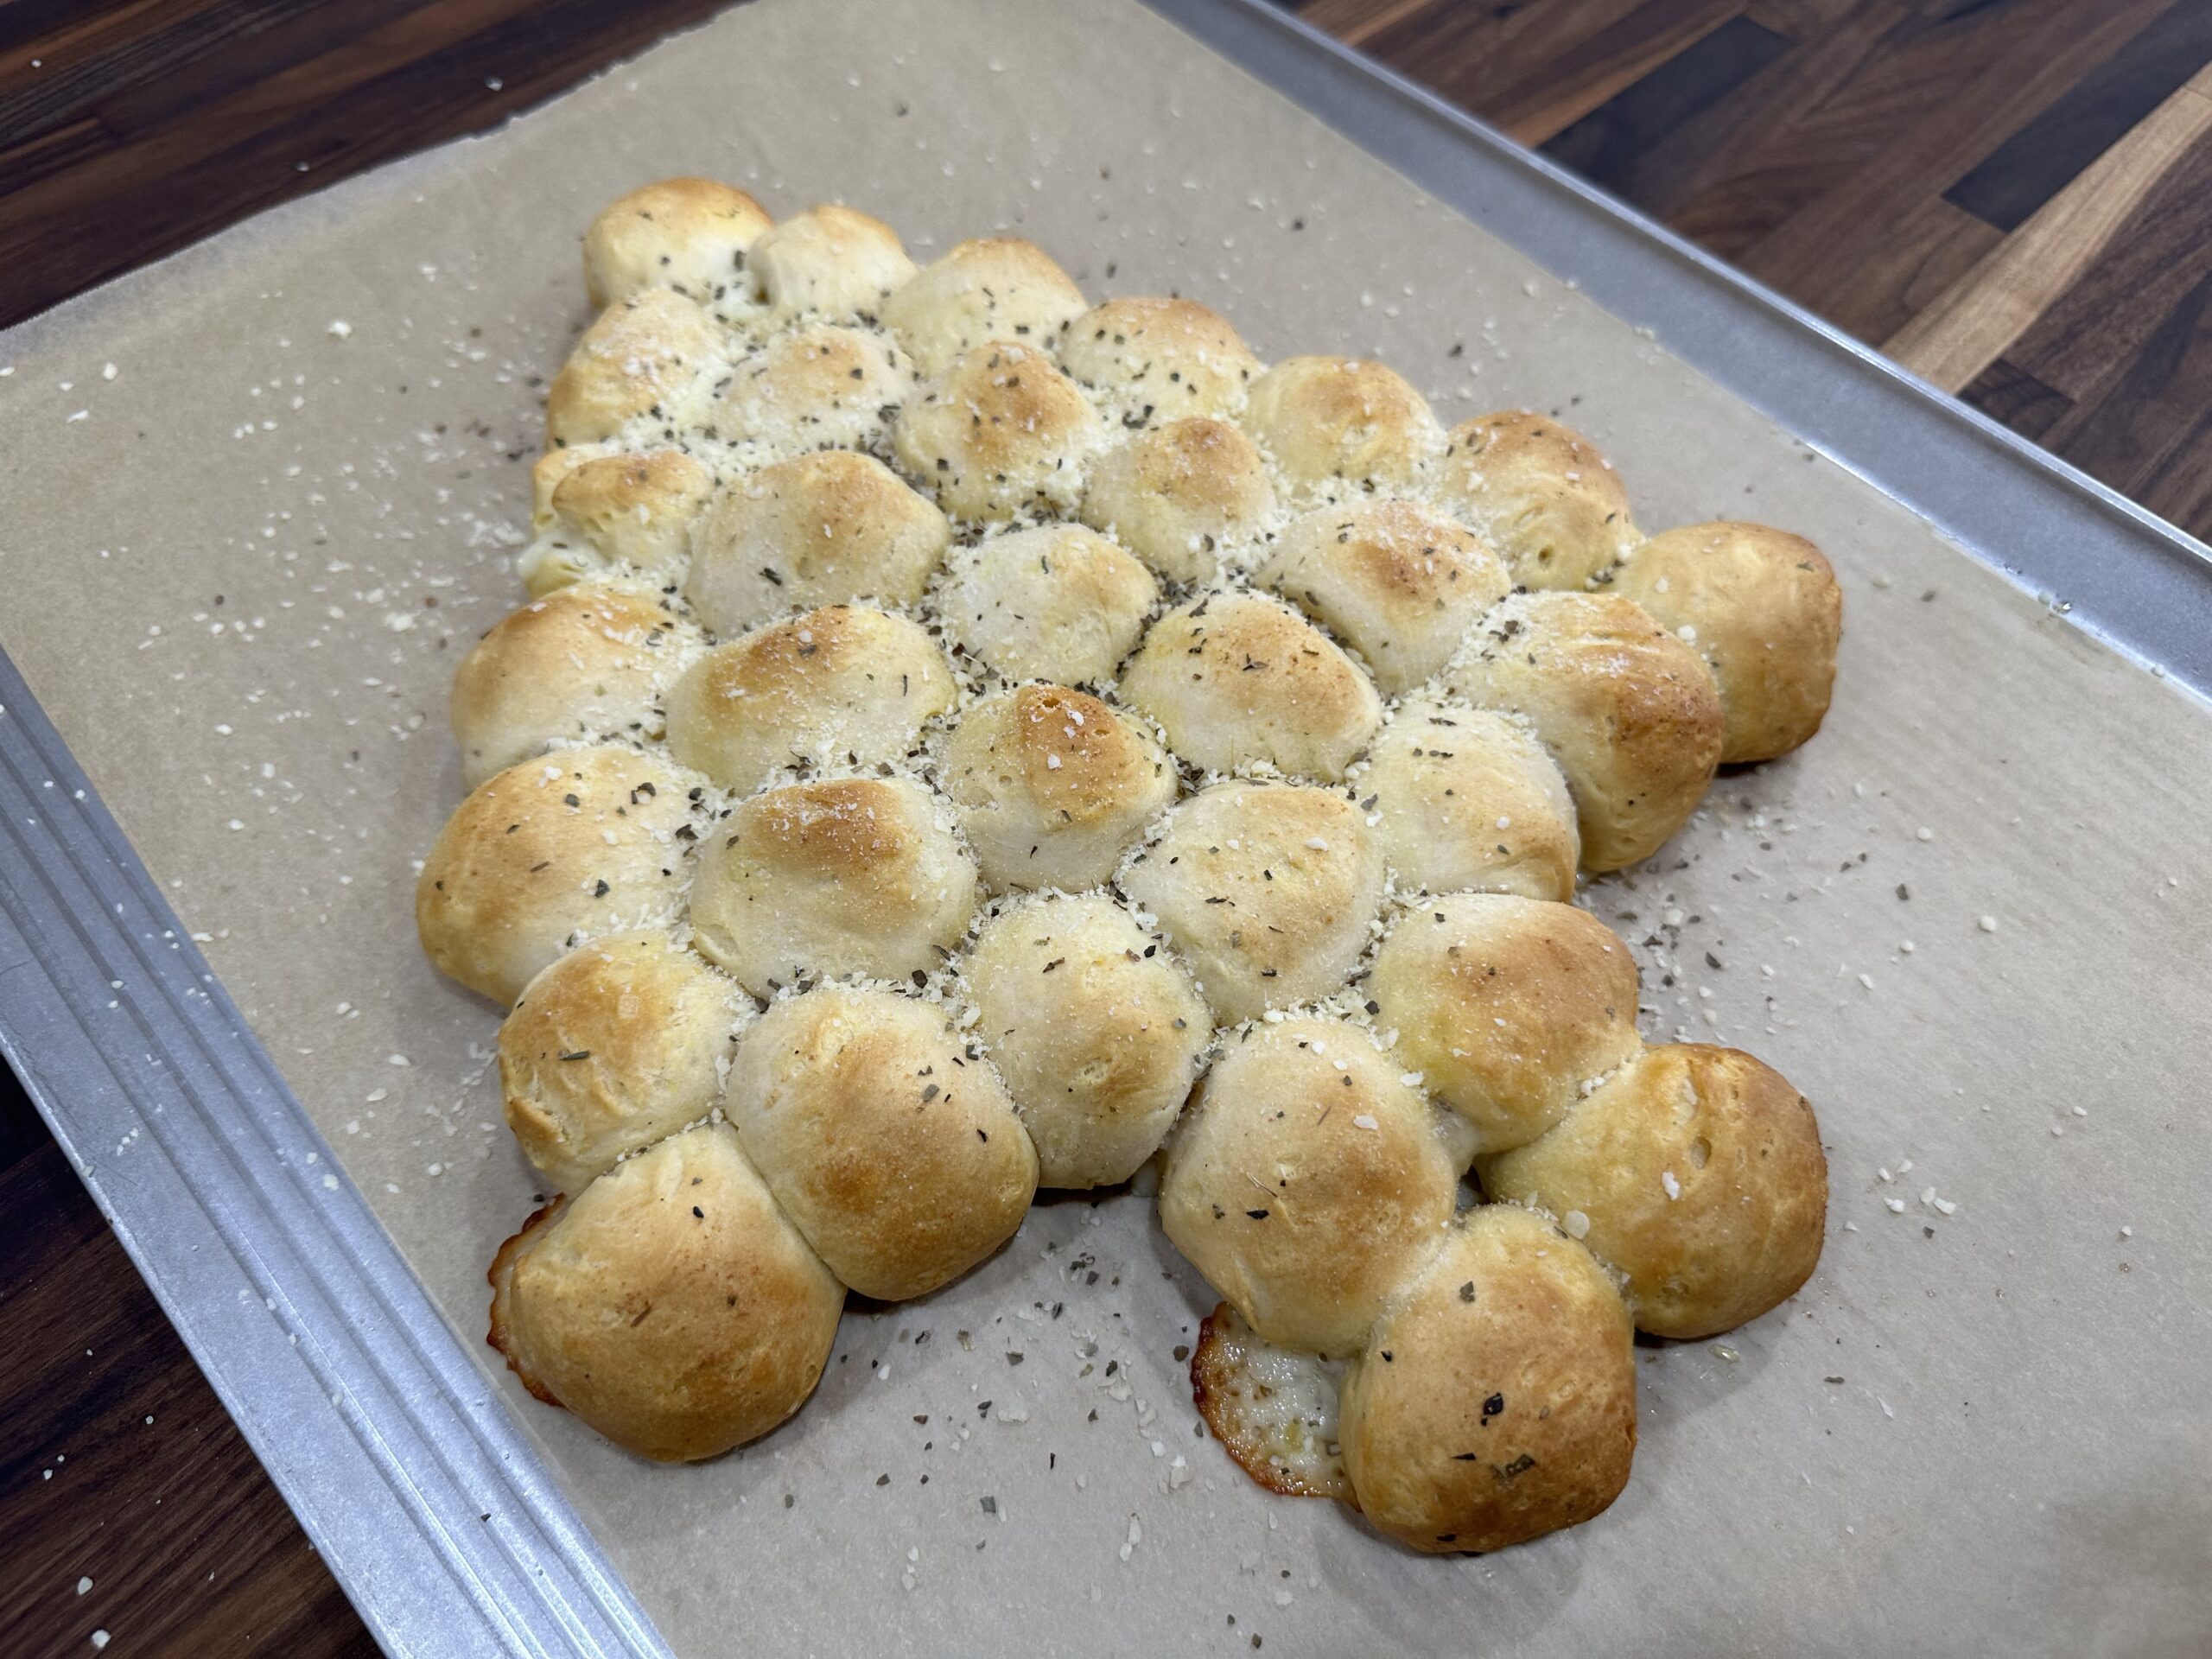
(1970, 324)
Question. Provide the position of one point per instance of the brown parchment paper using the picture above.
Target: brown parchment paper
(255, 502)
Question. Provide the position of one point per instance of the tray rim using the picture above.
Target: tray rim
(445, 1527)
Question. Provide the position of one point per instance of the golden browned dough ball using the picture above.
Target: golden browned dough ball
(818, 529)
(1627, 710)
(1469, 799)
(886, 1137)
(642, 353)
(609, 511)
(997, 287)
(1507, 1007)
(547, 472)
(1051, 785)
(844, 875)
(1762, 610)
(1341, 424)
(1266, 889)
(842, 685)
(1058, 602)
(591, 660)
(1160, 360)
(571, 847)
(1539, 493)
(1237, 677)
(1398, 584)
(669, 1305)
(1306, 1183)
(618, 1044)
(1096, 1030)
(1496, 1400)
(821, 388)
(1698, 1172)
(999, 432)
(688, 234)
(831, 261)
(1179, 495)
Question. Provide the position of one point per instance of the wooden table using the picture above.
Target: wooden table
(2013, 197)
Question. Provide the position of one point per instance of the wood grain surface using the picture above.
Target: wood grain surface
(2013, 197)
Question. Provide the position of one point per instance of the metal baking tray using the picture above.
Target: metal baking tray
(440, 1519)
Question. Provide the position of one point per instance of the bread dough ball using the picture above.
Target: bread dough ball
(1236, 678)
(1762, 610)
(1395, 582)
(1627, 710)
(819, 530)
(588, 661)
(1699, 1173)
(831, 261)
(1179, 495)
(1541, 494)
(1266, 889)
(1306, 1184)
(844, 684)
(1058, 602)
(617, 512)
(821, 388)
(843, 875)
(644, 353)
(1159, 360)
(1096, 1029)
(1496, 1401)
(547, 472)
(617, 1045)
(997, 288)
(999, 432)
(669, 1305)
(688, 234)
(1051, 785)
(573, 846)
(1509, 1007)
(1469, 798)
(1336, 425)
(889, 1140)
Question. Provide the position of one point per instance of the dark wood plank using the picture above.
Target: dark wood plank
(1568, 86)
(2007, 392)
(118, 1464)
(2035, 163)
(1609, 145)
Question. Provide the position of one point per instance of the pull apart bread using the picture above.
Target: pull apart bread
(966, 739)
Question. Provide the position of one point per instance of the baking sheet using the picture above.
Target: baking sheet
(218, 580)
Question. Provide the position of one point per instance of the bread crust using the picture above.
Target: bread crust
(688, 234)
(1051, 785)
(890, 1144)
(1700, 1172)
(1096, 1029)
(1496, 1400)
(1000, 431)
(1468, 799)
(1540, 493)
(1055, 602)
(1267, 890)
(1306, 1183)
(1392, 580)
(1341, 423)
(824, 529)
(988, 288)
(669, 1305)
(613, 512)
(1180, 495)
(1160, 360)
(1626, 709)
(1237, 677)
(846, 684)
(831, 261)
(1762, 608)
(593, 660)
(645, 353)
(1509, 1007)
(550, 853)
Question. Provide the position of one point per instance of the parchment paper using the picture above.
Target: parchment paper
(240, 565)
